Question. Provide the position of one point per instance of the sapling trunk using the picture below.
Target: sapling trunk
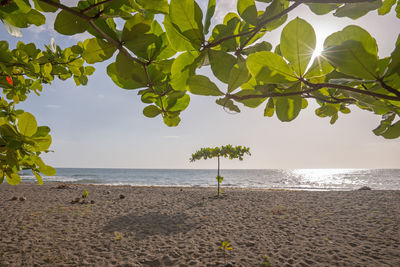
(219, 191)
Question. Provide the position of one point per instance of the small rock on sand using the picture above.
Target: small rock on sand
(14, 198)
(121, 196)
(365, 188)
(75, 200)
(22, 198)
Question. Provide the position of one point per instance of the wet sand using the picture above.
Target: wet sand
(163, 226)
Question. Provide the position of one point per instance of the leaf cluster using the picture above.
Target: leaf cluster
(24, 70)
(21, 143)
(228, 151)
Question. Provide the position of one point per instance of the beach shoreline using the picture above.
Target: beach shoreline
(185, 226)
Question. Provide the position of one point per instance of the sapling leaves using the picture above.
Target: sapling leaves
(227, 151)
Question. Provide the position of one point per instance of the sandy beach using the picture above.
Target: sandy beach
(163, 226)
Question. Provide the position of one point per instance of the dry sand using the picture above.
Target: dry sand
(155, 226)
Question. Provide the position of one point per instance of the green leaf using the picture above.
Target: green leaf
(288, 108)
(182, 67)
(151, 111)
(354, 33)
(269, 67)
(238, 75)
(209, 15)
(228, 103)
(297, 44)
(42, 131)
(27, 124)
(38, 178)
(334, 118)
(13, 178)
(269, 108)
(394, 65)
(69, 25)
(85, 193)
(177, 41)
(108, 26)
(352, 59)
(178, 103)
(97, 50)
(221, 64)
(42, 143)
(23, 6)
(357, 10)
(47, 170)
(247, 10)
(137, 36)
(40, 6)
(172, 121)
(155, 6)
(36, 18)
(321, 9)
(251, 102)
(122, 81)
(386, 121)
(393, 131)
(272, 10)
(201, 85)
(320, 67)
(186, 16)
(229, 28)
(263, 46)
(220, 179)
(130, 70)
(47, 69)
(386, 7)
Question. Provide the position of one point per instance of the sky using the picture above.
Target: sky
(102, 126)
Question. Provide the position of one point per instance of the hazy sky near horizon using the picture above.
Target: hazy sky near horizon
(102, 125)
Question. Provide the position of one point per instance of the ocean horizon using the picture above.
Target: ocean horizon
(295, 179)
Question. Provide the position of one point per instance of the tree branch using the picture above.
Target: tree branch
(256, 29)
(272, 94)
(388, 88)
(66, 8)
(334, 101)
(90, 20)
(315, 87)
(94, 5)
(351, 89)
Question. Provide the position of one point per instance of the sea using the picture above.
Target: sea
(295, 179)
